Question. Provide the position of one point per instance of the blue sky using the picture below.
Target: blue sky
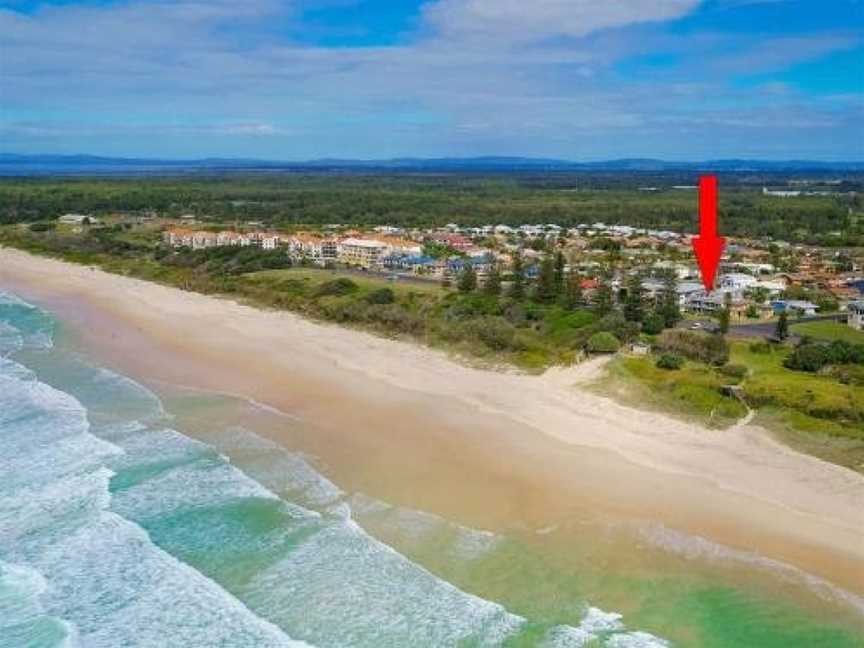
(302, 79)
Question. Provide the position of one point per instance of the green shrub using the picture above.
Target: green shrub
(670, 361)
(653, 324)
(734, 370)
(694, 345)
(395, 319)
(495, 333)
(381, 296)
(760, 347)
(603, 342)
(340, 286)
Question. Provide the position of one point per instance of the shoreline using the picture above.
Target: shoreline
(493, 448)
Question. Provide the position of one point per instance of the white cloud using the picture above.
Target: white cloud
(521, 21)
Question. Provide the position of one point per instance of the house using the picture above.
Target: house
(856, 315)
(702, 302)
(455, 241)
(414, 264)
(397, 245)
(77, 219)
(737, 281)
(687, 288)
(794, 307)
(640, 349)
(681, 271)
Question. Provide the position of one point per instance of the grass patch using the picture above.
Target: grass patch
(829, 331)
(824, 439)
(366, 282)
(812, 398)
(694, 391)
(814, 413)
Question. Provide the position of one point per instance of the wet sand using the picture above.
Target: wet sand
(489, 449)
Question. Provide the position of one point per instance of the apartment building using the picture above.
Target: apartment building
(362, 253)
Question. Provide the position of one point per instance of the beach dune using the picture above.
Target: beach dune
(494, 449)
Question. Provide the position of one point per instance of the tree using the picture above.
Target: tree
(634, 302)
(759, 294)
(723, 320)
(468, 279)
(653, 323)
(492, 287)
(559, 272)
(517, 288)
(546, 281)
(573, 296)
(602, 300)
(670, 361)
(725, 313)
(669, 307)
(782, 330)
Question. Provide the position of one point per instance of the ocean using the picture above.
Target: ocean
(131, 518)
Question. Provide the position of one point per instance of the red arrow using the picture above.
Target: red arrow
(708, 246)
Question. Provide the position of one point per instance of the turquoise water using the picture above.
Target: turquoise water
(124, 522)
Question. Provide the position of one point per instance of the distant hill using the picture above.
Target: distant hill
(12, 164)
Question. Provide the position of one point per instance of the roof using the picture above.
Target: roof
(367, 243)
(797, 304)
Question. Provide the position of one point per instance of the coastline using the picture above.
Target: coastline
(494, 448)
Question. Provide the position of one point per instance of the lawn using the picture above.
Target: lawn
(829, 331)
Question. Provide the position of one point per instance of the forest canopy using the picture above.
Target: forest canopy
(434, 200)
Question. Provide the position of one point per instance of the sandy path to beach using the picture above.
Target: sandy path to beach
(491, 448)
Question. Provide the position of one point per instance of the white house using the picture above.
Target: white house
(856, 315)
(77, 219)
(738, 281)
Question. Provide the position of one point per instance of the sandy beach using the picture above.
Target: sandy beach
(492, 449)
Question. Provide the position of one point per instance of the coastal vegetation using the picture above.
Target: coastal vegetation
(812, 394)
(530, 324)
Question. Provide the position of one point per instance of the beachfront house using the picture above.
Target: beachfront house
(77, 219)
(705, 303)
(737, 281)
(795, 307)
(855, 315)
